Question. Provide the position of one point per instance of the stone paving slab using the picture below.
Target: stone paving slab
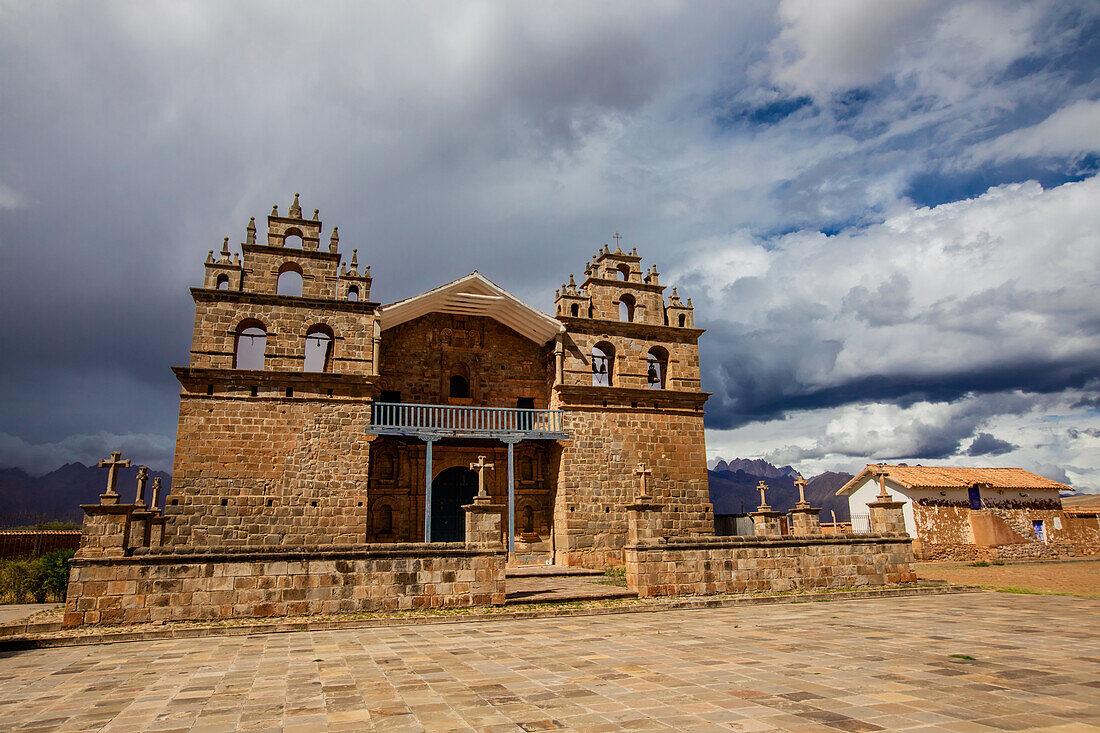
(972, 662)
(539, 571)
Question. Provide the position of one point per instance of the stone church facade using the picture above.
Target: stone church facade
(312, 416)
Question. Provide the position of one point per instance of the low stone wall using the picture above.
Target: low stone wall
(709, 565)
(159, 584)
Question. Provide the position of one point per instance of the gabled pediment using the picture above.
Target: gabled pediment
(475, 295)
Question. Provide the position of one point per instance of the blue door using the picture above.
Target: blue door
(1037, 528)
(975, 497)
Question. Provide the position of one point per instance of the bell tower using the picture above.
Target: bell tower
(630, 381)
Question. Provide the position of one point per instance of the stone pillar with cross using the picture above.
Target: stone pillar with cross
(765, 522)
(156, 523)
(105, 532)
(887, 515)
(643, 516)
(804, 518)
(141, 516)
(482, 517)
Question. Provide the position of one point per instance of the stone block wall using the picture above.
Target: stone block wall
(269, 470)
(162, 585)
(710, 565)
(595, 475)
(419, 357)
(963, 535)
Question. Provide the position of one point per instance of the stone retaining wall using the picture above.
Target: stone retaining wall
(709, 565)
(162, 585)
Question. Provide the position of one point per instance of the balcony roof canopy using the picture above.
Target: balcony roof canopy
(475, 295)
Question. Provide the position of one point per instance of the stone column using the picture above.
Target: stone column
(643, 520)
(765, 522)
(483, 523)
(805, 520)
(887, 516)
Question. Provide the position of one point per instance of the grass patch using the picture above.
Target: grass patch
(979, 564)
(1024, 591)
(963, 656)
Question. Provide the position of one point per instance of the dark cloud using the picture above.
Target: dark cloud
(986, 445)
(513, 139)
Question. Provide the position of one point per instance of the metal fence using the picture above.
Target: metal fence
(861, 523)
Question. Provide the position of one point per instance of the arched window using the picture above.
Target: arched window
(626, 308)
(574, 310)
(656, 366)
(623, 272)
(459, 387)
(251, 343)
(683, 320)
(293, 238)
(383, 520)
(290, 280)
(223, 282)
(353, 293)
(603, 362)
(318, 349)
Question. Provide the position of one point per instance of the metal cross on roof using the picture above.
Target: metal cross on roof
(617, 239)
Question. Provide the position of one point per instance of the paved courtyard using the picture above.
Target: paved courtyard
(851, 666)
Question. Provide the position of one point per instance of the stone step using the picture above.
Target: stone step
(559, 589)
(548, 571)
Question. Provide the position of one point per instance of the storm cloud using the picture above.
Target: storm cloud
(885, 214)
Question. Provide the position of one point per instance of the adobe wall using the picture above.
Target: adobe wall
(418, 358)
(595, 478)
(196, 586)
(269, 470)
(960, 534)
(710, 565)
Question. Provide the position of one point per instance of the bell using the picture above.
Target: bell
(653, 377)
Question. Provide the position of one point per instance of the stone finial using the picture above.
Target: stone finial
(572, 282)
(801, 484)
(481, 467)
(334, 240)
(210, 257)
(225, 246)
(112, 465)
(155, 501)
(250, 231)
(880, 473)
(236, 258)
(762, 487)
(634, 252)
(142, 477)
(606, 249)
(274, 209)
(689, 303)
(354, 259)
(295, 211)
(316, 215)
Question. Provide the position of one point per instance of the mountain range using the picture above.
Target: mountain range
(733, 488)
(57, 495)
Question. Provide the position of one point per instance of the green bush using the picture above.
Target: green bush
(43, 579)
(55, 568)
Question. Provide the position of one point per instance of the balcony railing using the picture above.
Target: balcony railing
(400, 418)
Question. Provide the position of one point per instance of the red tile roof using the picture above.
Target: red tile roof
(951, 477)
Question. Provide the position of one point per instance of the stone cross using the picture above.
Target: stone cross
(762, 487)
(142, 477)
(641, 472)
(155, 503)
(112, 465)
(480, 467)
(880, 473)
(801, 484)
